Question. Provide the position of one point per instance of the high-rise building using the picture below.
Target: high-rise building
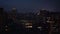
(1, 10)
(53, 21)
(14, 10)
(1, 14)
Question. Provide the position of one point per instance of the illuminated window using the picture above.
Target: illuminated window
(28, 26)
(28, 23)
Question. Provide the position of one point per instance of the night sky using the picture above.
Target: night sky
(29, 5)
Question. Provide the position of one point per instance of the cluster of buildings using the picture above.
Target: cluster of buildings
(52, 18)
(49, 20)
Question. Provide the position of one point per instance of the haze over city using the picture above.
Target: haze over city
(29, 5)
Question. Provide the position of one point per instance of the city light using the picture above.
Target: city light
(39, 21)
(28, 23)
(28, 26)
(39, 27)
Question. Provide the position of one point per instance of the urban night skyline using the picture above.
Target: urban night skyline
(29, 17)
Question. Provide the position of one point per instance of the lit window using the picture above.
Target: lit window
(28, 26)
(28, 23)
